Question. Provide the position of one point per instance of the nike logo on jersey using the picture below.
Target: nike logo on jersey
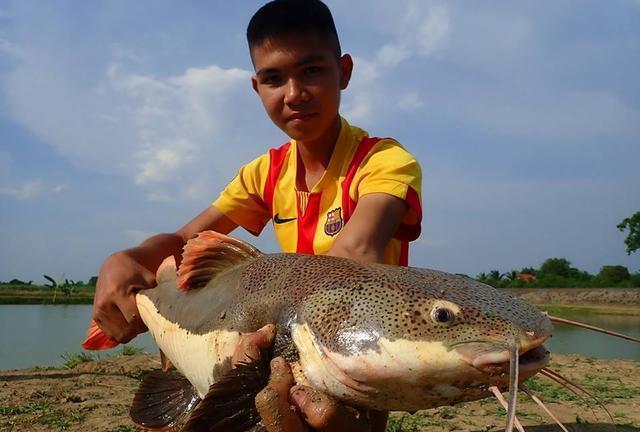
(276, 219)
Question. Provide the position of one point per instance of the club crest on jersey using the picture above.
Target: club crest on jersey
(334, 222)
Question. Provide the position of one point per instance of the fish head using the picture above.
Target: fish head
(413, 339)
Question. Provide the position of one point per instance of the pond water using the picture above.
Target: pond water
(33, 335)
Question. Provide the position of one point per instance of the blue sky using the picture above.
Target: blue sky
(122, 119)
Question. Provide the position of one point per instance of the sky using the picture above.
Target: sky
(123, 119)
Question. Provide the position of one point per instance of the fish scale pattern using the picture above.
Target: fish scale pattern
(334, 296)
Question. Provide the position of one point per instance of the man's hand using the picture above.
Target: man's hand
(284, 407)
(114, 305)
(127, 272)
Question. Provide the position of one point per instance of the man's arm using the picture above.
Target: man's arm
(372, 225)
(126, 272)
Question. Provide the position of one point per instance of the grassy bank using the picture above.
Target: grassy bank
(39, 294)
(589, 309)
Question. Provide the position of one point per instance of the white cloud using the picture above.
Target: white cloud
(390, 55)
(367, 93)
(410, 101)
(30, 189)
(181, 122)
(9, 49)
(433, 28)
(161, 133)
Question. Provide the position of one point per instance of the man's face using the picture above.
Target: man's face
(298, 79)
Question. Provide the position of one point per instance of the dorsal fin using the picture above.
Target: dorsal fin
(209, 253)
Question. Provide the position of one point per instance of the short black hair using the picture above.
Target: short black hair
(286, 17)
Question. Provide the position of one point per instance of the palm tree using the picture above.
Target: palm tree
(512, 275)
(495, 275)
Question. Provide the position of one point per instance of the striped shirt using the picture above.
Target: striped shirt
(309, 222)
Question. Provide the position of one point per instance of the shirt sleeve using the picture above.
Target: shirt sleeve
(390, 169)
(242, 200)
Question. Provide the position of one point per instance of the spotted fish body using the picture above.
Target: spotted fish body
(371, 335)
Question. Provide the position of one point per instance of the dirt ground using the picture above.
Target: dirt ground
(610, 298)
(95, 396)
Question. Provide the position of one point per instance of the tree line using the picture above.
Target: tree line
(558, 273)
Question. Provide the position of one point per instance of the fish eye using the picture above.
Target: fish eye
(442, 315)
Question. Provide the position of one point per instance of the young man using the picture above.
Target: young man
(330, 190)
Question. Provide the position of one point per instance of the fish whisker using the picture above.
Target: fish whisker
(565, 382)
(513, 385)
(559, 320)
(537, 400)
(498, 394)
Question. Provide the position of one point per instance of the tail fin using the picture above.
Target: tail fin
(98, 339)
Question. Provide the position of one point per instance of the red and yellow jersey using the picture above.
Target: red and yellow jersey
(309, 222)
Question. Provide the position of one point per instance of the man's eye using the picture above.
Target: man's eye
(312, 70)
(271, 80)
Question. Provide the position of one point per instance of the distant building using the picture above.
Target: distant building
(527, 277)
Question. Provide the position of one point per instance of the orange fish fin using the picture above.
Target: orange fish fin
(162, 400)
(165, 362)
(207, 255)
(230, 403)
(97, 339)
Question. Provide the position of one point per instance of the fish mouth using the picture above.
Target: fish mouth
(484, 357)
(497, 363)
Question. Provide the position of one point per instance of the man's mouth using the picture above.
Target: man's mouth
(300, 116)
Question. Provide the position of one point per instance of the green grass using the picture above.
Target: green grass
(71, 360)
(126, 428)
(547, 390)
(405, 423)
(45, 415)
(127, 350)
(40, 294)
(61, 419)
(31, 408)
(417, 422)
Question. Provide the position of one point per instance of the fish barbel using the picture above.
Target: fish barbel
(371, 335)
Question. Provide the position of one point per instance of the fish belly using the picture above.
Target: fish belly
(202, 358)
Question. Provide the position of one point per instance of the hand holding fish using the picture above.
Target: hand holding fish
(114, 308)
(275, 402)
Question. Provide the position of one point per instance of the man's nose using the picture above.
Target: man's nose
(296, 93)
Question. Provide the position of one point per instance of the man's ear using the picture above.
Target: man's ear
(346, 67)
(254, 83)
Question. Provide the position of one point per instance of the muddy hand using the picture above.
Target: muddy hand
(114, 308)
(311, 410)
(251, 344)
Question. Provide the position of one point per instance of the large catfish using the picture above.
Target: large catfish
(373, 336)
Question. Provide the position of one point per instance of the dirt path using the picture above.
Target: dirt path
(95, 396)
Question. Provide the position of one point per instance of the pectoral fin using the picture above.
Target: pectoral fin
(162, 399)
(98, 339)
(229, 406)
